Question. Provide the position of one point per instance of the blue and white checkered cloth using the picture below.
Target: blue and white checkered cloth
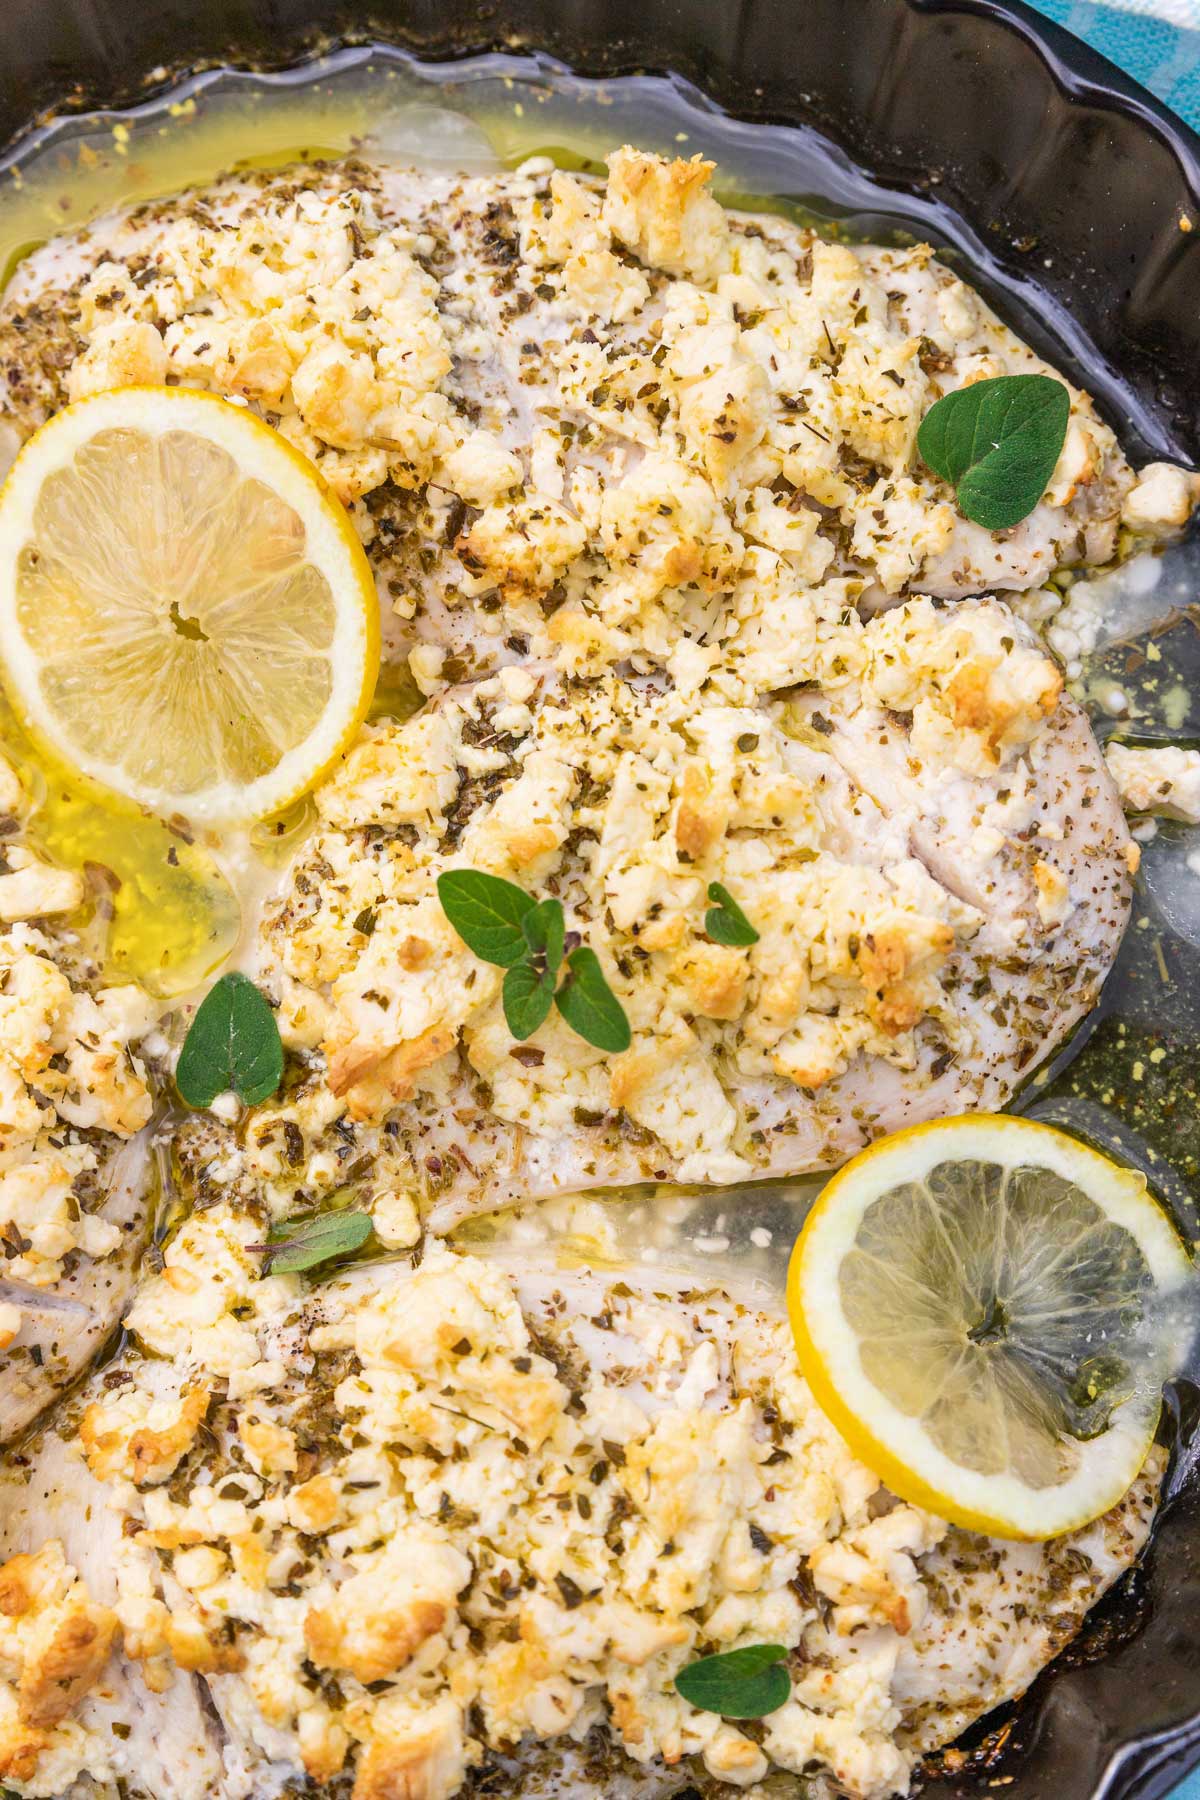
(1158, 43)
(1155, 41)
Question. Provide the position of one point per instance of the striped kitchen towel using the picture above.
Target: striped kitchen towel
(1155, 41)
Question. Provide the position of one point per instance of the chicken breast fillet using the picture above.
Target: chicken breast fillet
(420, 1527)
(924, 838)
(510, 377)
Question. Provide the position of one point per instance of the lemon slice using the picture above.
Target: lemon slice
(186, 614)
(981, 1308)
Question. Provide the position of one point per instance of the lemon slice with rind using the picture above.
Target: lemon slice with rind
(186, 613)
(987, 1309)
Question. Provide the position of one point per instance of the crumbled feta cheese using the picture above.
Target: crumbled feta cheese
(1161, 500)
(1160, 779)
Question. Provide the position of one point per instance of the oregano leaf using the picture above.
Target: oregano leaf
(997, 442)
(545, 931)
(527, 995)
(725, 922)
(589, 1005)
(233, 1042)
(738, 1684)
(293, 1248)
(487, 912)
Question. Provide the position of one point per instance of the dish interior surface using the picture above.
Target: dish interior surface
(1129, 1079)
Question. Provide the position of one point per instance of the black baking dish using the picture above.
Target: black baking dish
(1075, 193)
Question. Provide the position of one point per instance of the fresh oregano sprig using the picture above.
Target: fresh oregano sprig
(527, 938)
(997, 442)
(233, 1043)
(738, 1684)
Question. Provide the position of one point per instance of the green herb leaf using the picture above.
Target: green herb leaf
(291, 1248)
(725, 922)
(738, 1684)
(527, 994)
(997, 442)
(545, 932)
(504, 925)
(589, 1005)
(487, 913)
(233, 1043)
